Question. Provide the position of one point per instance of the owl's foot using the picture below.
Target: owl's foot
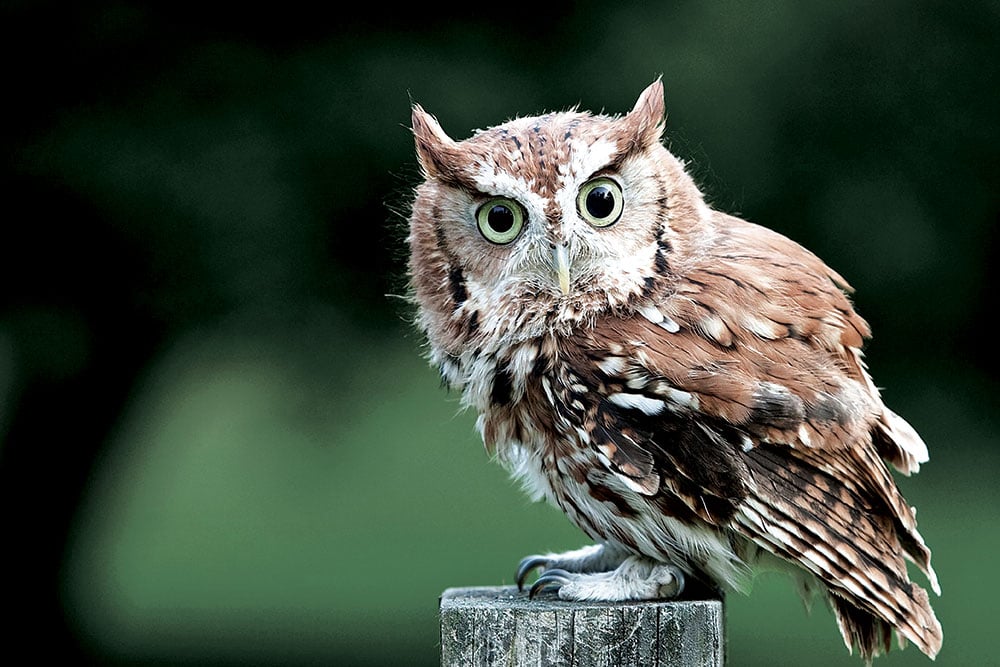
(593, 558)
(637, 578)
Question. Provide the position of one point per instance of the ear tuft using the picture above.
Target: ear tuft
(435, 149)
(647, 117)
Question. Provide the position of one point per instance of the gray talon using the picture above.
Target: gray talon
(524, 568)
(550, 579)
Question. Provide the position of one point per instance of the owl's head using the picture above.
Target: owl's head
(541, 224)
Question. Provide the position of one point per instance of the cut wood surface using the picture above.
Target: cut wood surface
(487, 626)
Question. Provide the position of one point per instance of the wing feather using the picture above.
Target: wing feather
(765, 348)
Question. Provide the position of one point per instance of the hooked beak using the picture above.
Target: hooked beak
(560, 262)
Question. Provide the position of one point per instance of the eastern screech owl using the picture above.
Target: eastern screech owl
(686, 386)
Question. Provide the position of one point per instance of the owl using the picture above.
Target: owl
(688, 387)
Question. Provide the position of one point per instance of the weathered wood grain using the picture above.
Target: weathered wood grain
(493, 626)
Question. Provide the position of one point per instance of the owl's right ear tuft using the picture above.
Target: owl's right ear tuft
(436, 151)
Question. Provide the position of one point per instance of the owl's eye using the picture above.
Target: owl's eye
(500, 220)
(600, 202)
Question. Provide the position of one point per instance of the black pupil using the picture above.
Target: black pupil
(600, 202)
(500, 219)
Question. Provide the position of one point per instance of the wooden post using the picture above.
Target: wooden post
(493, 626)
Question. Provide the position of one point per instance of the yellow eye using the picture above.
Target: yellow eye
(600, 202)
(500, 220)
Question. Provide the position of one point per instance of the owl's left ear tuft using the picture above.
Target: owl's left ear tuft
(436, 151)
(647, 119)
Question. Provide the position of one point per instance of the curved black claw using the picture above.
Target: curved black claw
(550, 579)
(524, 568)
(679, 576)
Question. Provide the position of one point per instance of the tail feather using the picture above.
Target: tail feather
(800, 513)
(872, 634)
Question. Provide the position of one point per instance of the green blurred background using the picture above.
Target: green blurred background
(220, 444)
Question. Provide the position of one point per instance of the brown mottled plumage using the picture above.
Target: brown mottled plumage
(686, 386)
